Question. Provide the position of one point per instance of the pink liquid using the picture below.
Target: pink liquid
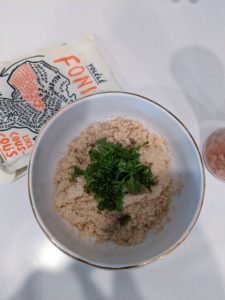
(214, 153)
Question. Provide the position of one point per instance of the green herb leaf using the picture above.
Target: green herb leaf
(124, 219)
(113, 170)
(133, 185)
(76, 172)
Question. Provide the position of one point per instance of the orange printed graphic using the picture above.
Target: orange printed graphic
(84, 81)
(13, 144)
(24, 79)
(88, 90)
(27, 140)
(75, 71)
(67, 59)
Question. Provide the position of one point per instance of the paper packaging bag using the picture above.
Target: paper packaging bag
(34, 88)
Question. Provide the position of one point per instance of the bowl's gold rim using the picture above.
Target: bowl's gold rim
(177, 244)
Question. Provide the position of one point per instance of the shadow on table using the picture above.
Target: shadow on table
(189, 273)
(200, 75)
(77, 282)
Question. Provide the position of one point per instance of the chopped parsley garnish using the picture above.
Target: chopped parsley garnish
(124, 219)
(113, 171)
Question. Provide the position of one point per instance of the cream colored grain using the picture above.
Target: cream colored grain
(148, 211)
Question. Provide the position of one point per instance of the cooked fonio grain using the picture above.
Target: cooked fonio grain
(146, 210)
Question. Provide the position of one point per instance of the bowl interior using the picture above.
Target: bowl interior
(52, 143)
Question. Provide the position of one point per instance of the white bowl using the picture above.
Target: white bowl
(52, 142)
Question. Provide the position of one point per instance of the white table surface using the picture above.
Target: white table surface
(170, 51)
